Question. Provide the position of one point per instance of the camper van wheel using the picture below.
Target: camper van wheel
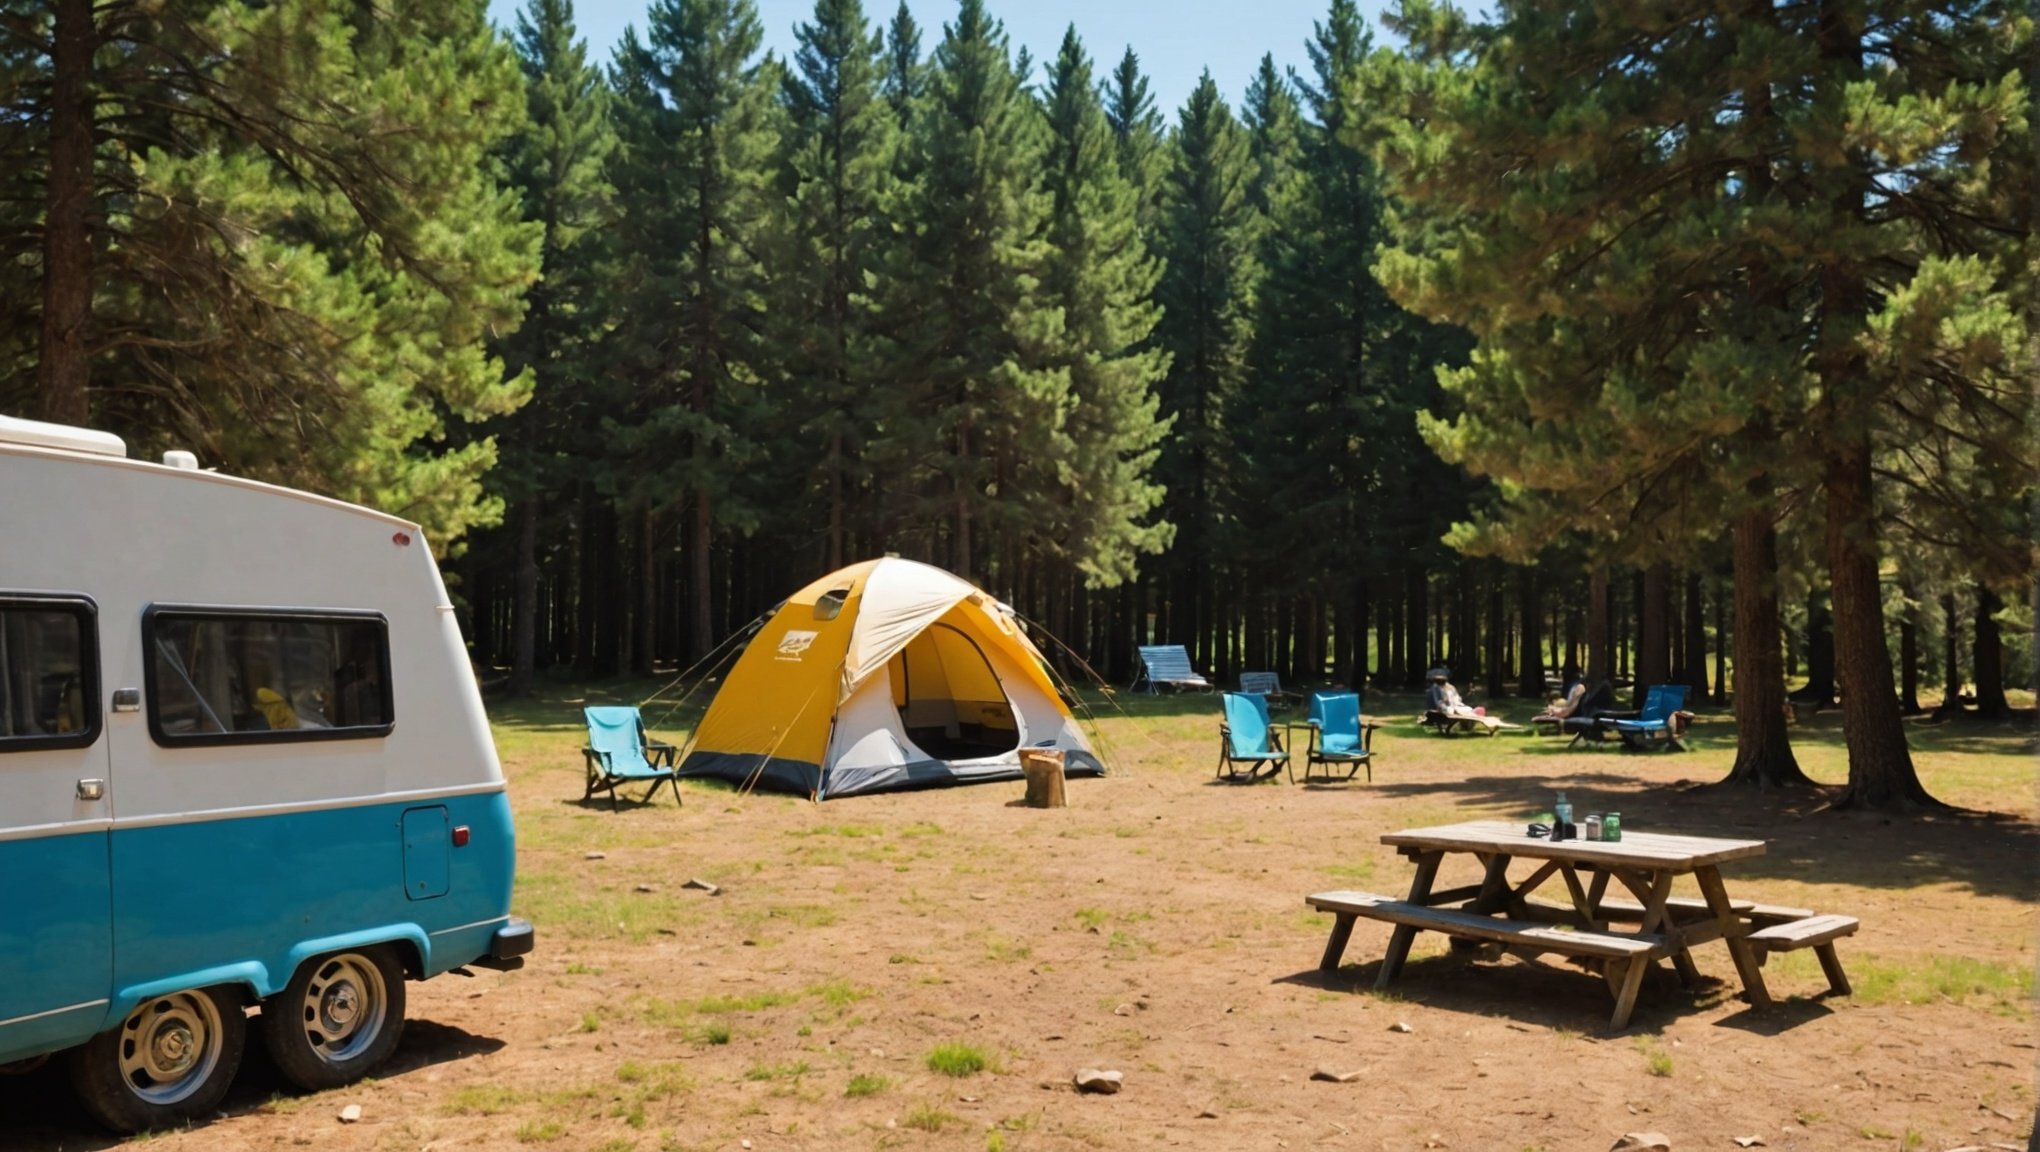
(167, 1064)
(339, 1017)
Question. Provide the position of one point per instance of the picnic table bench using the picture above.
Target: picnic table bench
(1585, 926)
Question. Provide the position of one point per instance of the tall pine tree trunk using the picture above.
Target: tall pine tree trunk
(1820, 651)
(1763, 752)
(1881, 773)
(524, 615)
(65, 367)
(1951, 662)
(1530, 683)
(1988, 655)
(1909, 653)
(1600, 634)
(1720, 643)
(1654, 633)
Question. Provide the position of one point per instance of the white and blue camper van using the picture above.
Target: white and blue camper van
(243, 762)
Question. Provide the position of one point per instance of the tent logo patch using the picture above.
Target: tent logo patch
(793, 644)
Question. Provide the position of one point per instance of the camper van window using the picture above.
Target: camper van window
(49, 673)
(248, 676)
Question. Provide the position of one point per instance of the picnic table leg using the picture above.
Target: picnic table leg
(1625, 1000)
(1733, 930)
(1831, 963)
(1404, 935)
(1342, 931)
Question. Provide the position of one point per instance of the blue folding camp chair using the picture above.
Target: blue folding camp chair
(1246, 737)
(619, 754)
(1338, 738)
(1652, 727)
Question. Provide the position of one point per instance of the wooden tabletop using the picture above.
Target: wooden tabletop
(1653, 850)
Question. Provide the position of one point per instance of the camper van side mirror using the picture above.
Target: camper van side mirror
(127, 699)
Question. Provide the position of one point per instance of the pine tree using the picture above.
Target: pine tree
(270, 233)
(840, 149)
(905, 77)
(1206, 297)
(974, 387)
(556, 162)
(1100, 274)
(1137, 135)
(700, 138)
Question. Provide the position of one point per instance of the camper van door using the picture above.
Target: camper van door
(56, 929)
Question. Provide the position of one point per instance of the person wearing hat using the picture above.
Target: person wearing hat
(1442, 698)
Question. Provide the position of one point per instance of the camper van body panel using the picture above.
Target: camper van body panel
(232, 856)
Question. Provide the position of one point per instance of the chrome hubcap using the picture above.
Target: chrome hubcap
(170, 1046)
(344, 1006)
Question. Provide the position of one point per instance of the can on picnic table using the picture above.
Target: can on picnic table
(1593, 825)
(1611, 826)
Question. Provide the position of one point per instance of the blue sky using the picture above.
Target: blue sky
(1175, 39)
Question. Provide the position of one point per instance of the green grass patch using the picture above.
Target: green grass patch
(1999, 987)
(928, 1118)
(957, 1060)
(540, 1131)
(846, 831)
(863, 1085)
(790, 1070)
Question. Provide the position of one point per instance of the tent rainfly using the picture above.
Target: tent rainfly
(886, 675)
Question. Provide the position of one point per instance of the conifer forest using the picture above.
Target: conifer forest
(1688, 342)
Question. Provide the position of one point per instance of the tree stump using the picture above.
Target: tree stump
(1043, 768)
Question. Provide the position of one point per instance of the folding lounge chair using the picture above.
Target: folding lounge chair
(1167, 664)
(1246, 737)
(1338, 738)
(1593, 720)
(619, 754)
(1268, 684)
(1652, 727)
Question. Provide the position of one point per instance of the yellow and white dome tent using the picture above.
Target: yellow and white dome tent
(887, 674)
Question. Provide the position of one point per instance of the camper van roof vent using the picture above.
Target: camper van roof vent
(41, 435)
(179, 458)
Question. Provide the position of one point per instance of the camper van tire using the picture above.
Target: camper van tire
(168, 1063)
(340, 1016)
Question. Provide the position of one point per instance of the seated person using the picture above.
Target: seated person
(1441, 697)
(1569, 701)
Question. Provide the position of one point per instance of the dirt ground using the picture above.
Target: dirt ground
(1157, 927)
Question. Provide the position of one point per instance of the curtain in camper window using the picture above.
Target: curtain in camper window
(220, 675)
(49, 695)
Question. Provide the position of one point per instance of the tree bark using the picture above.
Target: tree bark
(524, 622)
(1600, 636)
(1654, 634)
(1988, 655)
(1909, 655)
(1763, 751)
(1694, 668)
(1720, 645)
(1820, 652)
(1881, 773)
(1530, 682)
(64, 368)
(1951, 666)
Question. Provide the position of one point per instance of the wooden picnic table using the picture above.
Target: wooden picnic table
(1624, 937)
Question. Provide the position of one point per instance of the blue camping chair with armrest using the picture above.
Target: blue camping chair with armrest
(1245, 736)
(619, 755)
(1652, 727)
(1338, 738)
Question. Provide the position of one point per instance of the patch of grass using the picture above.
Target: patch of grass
(681, 1013)
(1364, 870)
(921, 828)
(713, 1033)
(901, 958)
(929, 1118)
(2000, 987)
(590, 1022)
(579, 969)
(1913, 1139)
(838, 994)
(995, 1141)
(485, 1099)
(1092, 917)
(1873, 1132)
(540, 1131)
(1004, 951)
(1657, 1061)
(846, 831)
(792, 1070)
(619, 1144)
(1808, 1119)
(957, 1060)
(804, 915)
(863, 1085)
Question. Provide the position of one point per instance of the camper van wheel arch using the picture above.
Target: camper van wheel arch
(341, 1015)
(169, 1063)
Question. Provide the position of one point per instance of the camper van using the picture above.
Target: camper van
(243, 764)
